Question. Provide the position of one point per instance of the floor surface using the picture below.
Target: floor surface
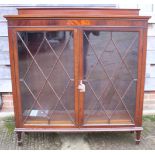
(78, 141)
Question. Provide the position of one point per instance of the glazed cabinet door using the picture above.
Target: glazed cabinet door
(109, 72)
(46, 77)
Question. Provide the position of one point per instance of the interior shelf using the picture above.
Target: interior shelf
(40, 117)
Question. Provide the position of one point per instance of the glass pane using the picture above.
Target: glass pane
(110, 76)
(46, 77)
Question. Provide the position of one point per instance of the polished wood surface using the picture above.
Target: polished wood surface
(55, 25)
(78, 10)
(114, 129)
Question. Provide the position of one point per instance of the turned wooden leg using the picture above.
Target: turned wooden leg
(138, 133)
(19, 138)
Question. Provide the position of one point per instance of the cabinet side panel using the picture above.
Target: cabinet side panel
(141, 71)
(12, 49)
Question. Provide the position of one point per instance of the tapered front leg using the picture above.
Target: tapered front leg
(19, 138)
(138, 134)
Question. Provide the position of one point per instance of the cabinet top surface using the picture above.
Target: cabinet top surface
(76, 12)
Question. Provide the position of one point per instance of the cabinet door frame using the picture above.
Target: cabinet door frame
(15, 74)
(79, 97)
(140, 75)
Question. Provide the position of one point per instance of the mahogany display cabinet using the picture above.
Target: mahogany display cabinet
(78, 69)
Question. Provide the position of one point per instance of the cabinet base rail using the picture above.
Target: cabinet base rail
(137, 130)
(107, 129)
